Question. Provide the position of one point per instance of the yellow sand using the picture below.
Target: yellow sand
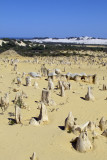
(18, 142)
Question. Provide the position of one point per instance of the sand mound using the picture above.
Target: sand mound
(10, 53)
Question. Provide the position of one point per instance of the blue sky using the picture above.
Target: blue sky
(53, 18)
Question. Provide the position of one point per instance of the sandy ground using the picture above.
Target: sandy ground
(50, 142)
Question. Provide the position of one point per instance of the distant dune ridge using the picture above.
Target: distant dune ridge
(72, 40)
(76, 40)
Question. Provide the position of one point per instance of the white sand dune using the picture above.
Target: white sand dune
(1, 41)
(80, 40)
(21, 43)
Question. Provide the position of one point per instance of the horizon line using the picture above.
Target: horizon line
(39, 37)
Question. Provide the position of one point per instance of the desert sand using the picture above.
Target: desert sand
(50, 141)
